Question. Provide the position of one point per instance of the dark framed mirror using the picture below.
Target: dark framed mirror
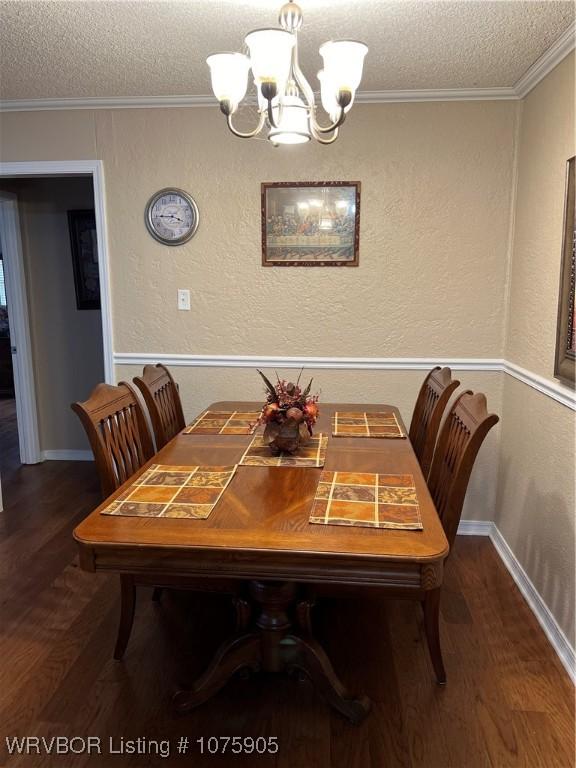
(565, 363)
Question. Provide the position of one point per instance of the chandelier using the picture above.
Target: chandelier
(286, 106)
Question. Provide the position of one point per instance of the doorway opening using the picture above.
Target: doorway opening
(52, 315)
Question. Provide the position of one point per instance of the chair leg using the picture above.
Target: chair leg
(157, 594)
(127, 606)
(431, 606)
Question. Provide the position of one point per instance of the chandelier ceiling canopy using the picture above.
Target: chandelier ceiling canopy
(286, 105)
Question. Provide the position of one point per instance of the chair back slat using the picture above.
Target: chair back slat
(461, 436)
(431, 403)
(160, 393)
(116, 427)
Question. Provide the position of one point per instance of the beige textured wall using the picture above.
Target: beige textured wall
(436, 183)
(434, 235)
(66, 342)
(535, 509)
(47, 136)
(546, 141)
(434, 223)
(435, 211)
(536, 500)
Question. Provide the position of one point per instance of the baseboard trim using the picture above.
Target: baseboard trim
(552, 630)
(475, 527)
(67, 456)
(553, 389)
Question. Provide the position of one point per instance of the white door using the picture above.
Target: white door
(16, 296)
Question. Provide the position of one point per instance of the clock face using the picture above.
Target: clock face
(172, 216)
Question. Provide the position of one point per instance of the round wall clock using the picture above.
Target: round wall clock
(172, 216)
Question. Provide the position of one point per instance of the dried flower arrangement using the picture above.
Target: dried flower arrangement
(288, 414)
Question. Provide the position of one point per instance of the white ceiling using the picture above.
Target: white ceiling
(87, 48)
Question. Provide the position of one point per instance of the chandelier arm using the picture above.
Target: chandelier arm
(301, 81)
(328, 128)
(270, 114)
(308, 93)
(251, 134)
(320, 139)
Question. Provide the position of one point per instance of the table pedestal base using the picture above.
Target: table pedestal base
(275, 645)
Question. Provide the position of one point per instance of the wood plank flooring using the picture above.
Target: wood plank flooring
(508, 701)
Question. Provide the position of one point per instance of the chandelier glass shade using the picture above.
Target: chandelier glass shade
(286, 105)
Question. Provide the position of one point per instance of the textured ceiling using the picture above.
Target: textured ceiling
(121, 49)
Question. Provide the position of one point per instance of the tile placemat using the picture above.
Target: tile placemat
(357, 424)
(224, 423)
(173, 491)
(313, 454)
(367, 500)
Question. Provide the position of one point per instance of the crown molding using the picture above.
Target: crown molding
(546, 63)
(539, 69)
(112, 102)
(440, 94)
(159, 102)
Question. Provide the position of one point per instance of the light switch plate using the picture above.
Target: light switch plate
(183, 298)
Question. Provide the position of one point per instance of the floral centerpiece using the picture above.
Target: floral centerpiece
(288, 414)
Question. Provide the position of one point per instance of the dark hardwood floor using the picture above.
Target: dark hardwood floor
(508, 701)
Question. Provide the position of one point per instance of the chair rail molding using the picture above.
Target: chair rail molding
(338, 363)
(552, 389)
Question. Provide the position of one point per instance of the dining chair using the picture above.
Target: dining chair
(431, 403)
(463, 432)
(162, 398)
(121, 442)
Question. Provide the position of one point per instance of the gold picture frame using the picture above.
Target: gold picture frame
(565, 362)
(310, 223)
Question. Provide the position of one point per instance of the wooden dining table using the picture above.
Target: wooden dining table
(259, 536)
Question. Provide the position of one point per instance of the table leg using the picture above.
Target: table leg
(275, 645)
(242, 611)
(232, 656)
(308, 656)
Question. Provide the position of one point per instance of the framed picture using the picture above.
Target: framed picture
(310, 223)
(565, 364)
(82, 227)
